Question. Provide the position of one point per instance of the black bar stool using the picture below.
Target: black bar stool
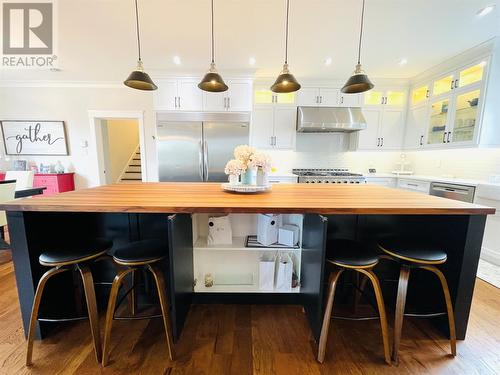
(347, 254)
(75, 257)
(145, 254)
(416, 254)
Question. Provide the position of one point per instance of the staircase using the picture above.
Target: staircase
(132, 172)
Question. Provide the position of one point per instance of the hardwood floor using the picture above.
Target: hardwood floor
(241, 339)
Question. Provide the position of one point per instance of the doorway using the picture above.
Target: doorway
(117, 146)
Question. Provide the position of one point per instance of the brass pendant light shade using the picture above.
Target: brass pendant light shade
(286, 82)
(212, 81)
(359, 81)
(139, 79)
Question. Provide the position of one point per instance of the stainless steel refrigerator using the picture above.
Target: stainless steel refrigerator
(197, 146)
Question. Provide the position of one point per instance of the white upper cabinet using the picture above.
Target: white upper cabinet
(165, 98)
(369, 138)
(264, 96)
(384, 112)
(190, 97)
(237, 98)
(326, 97)
(184, 95)
(273, 127)
(416, 126)
(446, 112)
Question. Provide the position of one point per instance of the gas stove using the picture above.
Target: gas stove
(328, 176)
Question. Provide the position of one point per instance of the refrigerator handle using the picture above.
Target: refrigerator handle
(200, 160)
(205, 157)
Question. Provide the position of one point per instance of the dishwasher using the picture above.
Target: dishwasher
(462, 193)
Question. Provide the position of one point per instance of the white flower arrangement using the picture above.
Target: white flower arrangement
(260, 160)
(243, 153)
(235, 167)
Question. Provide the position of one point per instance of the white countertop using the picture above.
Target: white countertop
(449, 180)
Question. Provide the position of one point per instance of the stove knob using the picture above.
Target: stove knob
(345, 182)
(306, 182)
(326, 182)
(357, 182)
(319, 181)
(352, 182)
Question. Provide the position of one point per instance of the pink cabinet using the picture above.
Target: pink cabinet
(55, 183)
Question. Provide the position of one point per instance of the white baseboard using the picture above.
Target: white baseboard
(490, 255)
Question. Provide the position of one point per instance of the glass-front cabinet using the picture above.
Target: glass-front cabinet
(393, 98)
(266, 96)
(455, 106)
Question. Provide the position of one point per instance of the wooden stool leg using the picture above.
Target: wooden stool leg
(332, 281)
(133, 295)
(115, 287)
(162, 294)
(88, 286)
(404, 275)
(381, 310)
(34, 310)
(449, 306)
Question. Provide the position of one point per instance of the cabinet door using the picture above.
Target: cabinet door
(395, 99)
(373, 98)
(419, 95)
(214, 101)
(308, 96)
(466, 117)
(262, 131)
(443, 85)
(285, 120)
(262, 96)
(368, 139)
(471, 74)
(165, 98)
(329, 97)
(416, 126)
(392, 129)
(190, 96)
(240, 96)
(438, 122)
(349, 100)
(285, 98)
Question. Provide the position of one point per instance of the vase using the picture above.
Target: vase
(234, 179)
(261, 177)
(247, 177)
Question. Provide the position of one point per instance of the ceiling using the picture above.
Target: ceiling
(96, 38)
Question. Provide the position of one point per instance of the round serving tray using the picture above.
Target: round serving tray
(245, 189)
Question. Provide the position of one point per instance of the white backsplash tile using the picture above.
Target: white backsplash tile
(331, 151)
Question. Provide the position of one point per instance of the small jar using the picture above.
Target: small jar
(247, 177)
(262, 177)
(234, 179)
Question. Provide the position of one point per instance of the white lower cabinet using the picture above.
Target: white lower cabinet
(414, 185)
(381, 181)
(235, 268)
(273, 127)
(489, 195)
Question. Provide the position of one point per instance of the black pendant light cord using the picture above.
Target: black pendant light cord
(361, 32)
(137, 27)
(286, 31)
(213, 32)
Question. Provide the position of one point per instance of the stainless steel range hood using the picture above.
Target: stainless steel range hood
(330, 119)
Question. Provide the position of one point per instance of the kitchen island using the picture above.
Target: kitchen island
(172, 212)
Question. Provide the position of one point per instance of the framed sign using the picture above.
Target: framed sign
(34, 137)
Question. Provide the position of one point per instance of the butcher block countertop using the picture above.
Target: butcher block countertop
(284, 198)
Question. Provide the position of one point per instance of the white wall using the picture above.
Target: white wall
(71, 104)
(120, 140)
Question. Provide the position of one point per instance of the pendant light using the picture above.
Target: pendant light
(139, 79)
(285, 82)
(359, 81)
(212, 81)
